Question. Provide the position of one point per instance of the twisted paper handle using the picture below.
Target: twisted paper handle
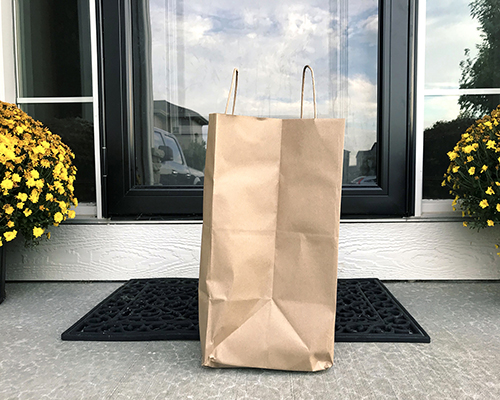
(234, 82)
(302, 93)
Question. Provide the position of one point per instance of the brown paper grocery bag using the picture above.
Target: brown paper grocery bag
(268, 270)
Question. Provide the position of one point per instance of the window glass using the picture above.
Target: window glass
(184, 54)
(462, 52)
(462, 44)
(158, 140)
(444, 126)
(74, 123)
(53, 46)
(175, 150)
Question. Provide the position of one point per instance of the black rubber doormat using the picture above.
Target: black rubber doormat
(167, 309)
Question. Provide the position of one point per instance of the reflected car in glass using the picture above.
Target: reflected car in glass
(365, 180)
(169, 163)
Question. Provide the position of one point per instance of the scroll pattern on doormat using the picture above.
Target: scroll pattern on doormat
(167, 309)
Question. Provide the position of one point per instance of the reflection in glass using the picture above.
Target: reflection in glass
(54, 57)
(74, 123)
(184, 53)
(462, 44)
(444, 125)
(366, 168)
(170, 164)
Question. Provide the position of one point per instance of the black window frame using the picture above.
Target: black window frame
(391, 197)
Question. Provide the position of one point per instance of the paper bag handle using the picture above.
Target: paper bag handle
(234, 82)
(302, 93)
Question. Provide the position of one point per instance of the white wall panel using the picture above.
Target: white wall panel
(386, 250)
(7, 66)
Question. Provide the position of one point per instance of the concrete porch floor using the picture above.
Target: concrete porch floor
(461, 362)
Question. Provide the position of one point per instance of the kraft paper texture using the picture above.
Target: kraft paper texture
(268, 269)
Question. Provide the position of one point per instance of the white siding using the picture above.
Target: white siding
(387, 250)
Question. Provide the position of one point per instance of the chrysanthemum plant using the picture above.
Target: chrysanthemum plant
(36, 177)
(473, 175)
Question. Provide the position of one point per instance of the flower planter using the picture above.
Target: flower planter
(2, 274)
(36, 180)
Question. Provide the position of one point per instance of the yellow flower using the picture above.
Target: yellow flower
(498, 207)
(484, 168)
(39, 150)
(490, 222)
(71, 214)
(10, 235)
(465, 223)
(34, 196)
(491, 144)
(33, 163)
(470, 158)
(59, 187)
(472, 170)
(455, 168)
(22, 196)
(30, 182)
(37, 232)
(490, 191)
(452, 155)
(483, 203)
(467, 149)
(58, 217)
(8, 209)
(7, 184)
(63, 206)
